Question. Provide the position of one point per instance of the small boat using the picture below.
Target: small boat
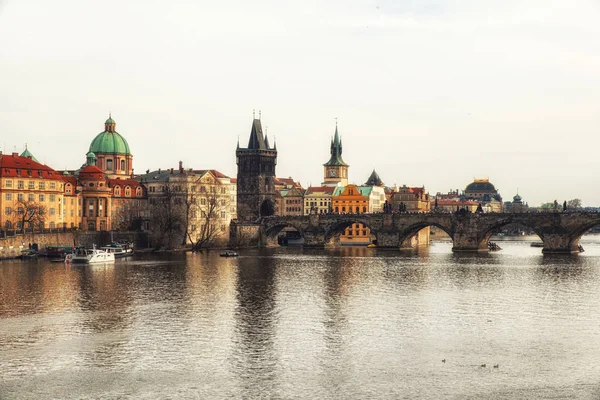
(28, 254)
(229, 253)
(537, 244)
(371, 245)
(118, 250)
(90, 256)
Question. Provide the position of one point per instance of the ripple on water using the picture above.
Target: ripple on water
(293, 323)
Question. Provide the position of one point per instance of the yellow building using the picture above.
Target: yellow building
(31, 194)
(412, 200)
(203, 200)
(318, 198)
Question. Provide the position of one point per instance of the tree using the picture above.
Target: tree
(207, 214)
(167, 222)
(27, 215)
(573, 204)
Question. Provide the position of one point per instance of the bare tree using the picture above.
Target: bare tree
(207, 214)
(574, 204)
(167, 216)
(28, 214)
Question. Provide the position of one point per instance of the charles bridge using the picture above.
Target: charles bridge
(560, 232)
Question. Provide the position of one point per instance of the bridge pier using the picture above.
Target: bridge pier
(559, 243)
(388, 239)
(468, 243)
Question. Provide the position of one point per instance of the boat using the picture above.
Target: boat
(28, 254)
(371, 245)
(229, 253)
(537, 244)
(90, 256)
(118, 250)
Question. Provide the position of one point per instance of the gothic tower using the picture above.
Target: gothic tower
(256, 176)
(336, 170)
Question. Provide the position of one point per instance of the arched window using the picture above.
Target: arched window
(357, 209)
(127, 191)
(122, 165)
(117, 190)
(364, 209)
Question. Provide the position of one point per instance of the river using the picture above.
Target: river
(288, 323)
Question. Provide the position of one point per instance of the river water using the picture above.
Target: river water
(287, 323)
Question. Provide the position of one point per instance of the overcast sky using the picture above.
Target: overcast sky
(426, 92)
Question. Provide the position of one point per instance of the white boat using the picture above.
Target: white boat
(90, 256)
(118, 250)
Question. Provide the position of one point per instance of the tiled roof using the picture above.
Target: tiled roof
(16, 166)
(320, 189)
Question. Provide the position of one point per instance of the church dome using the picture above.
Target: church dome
(110, 141)
(480, 186)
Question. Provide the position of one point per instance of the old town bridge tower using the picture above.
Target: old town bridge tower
(256, 176)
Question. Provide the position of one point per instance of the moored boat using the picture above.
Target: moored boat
(90, 256)
(118, 250)
(229, 253)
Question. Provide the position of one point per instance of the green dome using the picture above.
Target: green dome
(110, 142)
(110, 121)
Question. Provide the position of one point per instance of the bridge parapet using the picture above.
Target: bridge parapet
(560, 232)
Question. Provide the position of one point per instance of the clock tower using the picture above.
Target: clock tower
(336, 170)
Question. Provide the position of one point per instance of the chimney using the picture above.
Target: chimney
(171, 170)
(15, 154)
(180, 167)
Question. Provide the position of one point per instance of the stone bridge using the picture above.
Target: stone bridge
(560, 232)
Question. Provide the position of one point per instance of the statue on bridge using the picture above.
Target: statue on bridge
(565, 206)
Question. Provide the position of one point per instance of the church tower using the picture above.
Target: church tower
(256, 176)
(336, 170)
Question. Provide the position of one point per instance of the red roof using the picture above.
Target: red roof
(16, 166)
(319, 189)
(233, 180)
(124, 182)
(91, 172)
(457, 203)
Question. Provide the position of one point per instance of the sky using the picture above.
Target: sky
(428, 93)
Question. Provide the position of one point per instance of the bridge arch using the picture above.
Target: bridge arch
(407, 233)
(490, 230)
(271, 231)
(334, 231)
(578, 232)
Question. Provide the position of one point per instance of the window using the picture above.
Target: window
(20, 197)
(8, 196)
(9, 184)
(20, 211)
(122, 165)
(52, 225)
(52, 198)
(20, 184)
(8, 210)
(31, 185)
(109, 164)
(42, 185)
(31, 197)
(223, 214)
(52, 211)
(52, 185)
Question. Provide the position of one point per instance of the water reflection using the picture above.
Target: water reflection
(255, 317)
(298, 323)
